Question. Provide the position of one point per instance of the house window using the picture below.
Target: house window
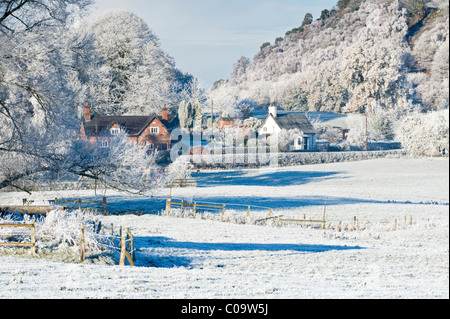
(115, 131)
(104, 144)
(151, 147)
(154, 130)
(164, 146)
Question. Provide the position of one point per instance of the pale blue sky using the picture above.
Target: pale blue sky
(205, 37)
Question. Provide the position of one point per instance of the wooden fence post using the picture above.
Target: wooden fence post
(195, 207)
(395, 224)
(82, 245)
(223, 211)
(122, 251)
(79, 204)
(105, 211)
(112, 234)
(33, 238)
(168, 201)
(133, 257)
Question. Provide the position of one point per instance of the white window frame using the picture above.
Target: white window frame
(115, 131)
(154, 130)
(104, 144)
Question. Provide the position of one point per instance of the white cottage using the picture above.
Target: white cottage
(274, 123)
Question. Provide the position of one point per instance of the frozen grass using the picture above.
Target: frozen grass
(58, 236)
(205, 255)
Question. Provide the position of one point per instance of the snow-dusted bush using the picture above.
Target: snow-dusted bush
(426, 134)
(179, 169)
(58, 236)
(285, 138)
(357, 133)
(61, 231)
(231, 216)
(382, 126)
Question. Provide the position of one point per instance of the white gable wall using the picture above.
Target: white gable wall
(270, 127)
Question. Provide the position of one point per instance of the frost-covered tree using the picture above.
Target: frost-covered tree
(25, 15)
(122, 164)
(240, 66)
(38, 112)
(308, 19)
(40, 91)
(374, 66)
(426, 134)
(382, 126)
(186, 115)
(197, 119)
(131, 73)
(363, 58)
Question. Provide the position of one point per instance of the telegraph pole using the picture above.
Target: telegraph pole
(366, 131)
(212, 110)
(212, 119)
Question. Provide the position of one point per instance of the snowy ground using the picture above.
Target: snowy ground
(203, 258)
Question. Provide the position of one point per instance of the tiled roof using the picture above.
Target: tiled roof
(133, 125)
(295, 121)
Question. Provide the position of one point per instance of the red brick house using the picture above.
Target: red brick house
(225, 122)
(152, 130)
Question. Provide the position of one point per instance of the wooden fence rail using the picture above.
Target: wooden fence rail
(27, 209)
(306, 220)
(56, 201)
(195, 205)
(31, 244)
(184, 182)
(169, 204)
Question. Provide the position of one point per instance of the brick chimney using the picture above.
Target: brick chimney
(87, 113)
(165, 113)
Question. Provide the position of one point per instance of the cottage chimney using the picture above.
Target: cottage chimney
(87, 113)
(165, 113)
(273, 110)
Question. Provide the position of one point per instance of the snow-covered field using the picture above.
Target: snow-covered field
(209, 258)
